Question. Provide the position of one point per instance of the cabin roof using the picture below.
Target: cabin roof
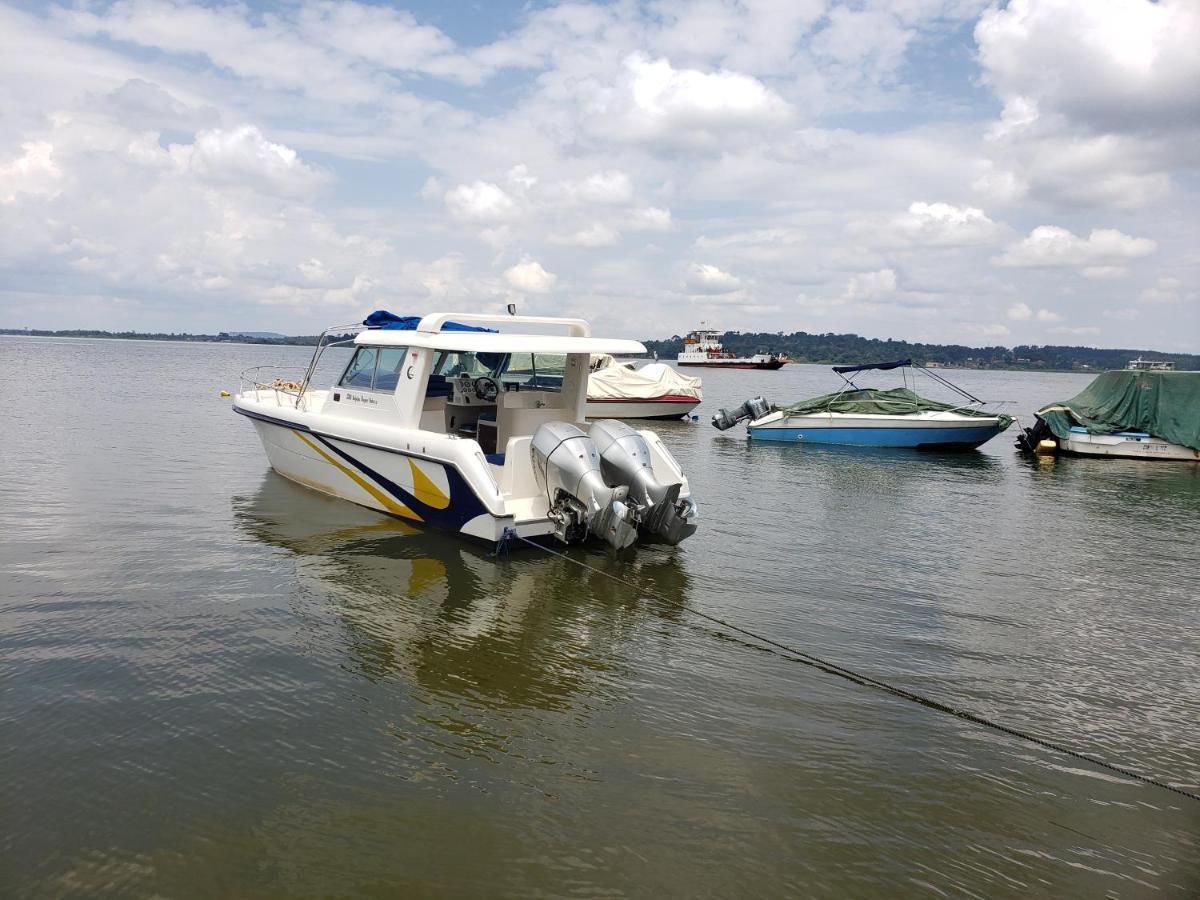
(484, 342)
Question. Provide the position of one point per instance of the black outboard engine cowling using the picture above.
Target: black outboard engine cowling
(752, 409)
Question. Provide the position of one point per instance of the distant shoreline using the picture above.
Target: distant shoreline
(850, 348)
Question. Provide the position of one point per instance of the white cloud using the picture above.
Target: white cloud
(529, 276)
(655, 102)
(650, 218)
(34, 173)
(1109, 65)
(1051, 246)
(932, 225)
(871, 285)
(1166, 290)
(595, 235)
(702, 278)
(480, 201)
(243, 155)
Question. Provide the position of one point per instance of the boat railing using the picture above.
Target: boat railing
(284, 381)
(339, 331)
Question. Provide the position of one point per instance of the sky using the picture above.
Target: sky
(949, 171)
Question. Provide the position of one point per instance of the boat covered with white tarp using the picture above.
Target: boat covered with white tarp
(655, 391)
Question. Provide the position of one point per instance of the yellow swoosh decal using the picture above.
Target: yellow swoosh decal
(425, 490)
(387, 502)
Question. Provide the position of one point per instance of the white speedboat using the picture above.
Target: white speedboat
(868, 417)
(473, 430)
(1135, 413)
(655, 391)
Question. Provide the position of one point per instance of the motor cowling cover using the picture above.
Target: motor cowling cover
(566, 465)
(625, 460)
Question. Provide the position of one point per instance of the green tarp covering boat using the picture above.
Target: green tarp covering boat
(1163, 404)
(875, 402)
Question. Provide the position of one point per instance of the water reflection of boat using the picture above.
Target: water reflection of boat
(447, 615)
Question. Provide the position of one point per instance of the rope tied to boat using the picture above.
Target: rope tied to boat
(793, 654)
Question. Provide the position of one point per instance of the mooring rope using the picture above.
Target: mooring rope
(794, 654)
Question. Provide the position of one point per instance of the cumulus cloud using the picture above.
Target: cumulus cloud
(1099, 97)
(480, 201)
(595, 235)
(243, 154)
(871, 285)
(529, 276)
(1166, 290)
(34, 173)
(656, 102)
(702, 278)
(1050, 246)
(1022, 312)
(932, 225)
(1108, 65)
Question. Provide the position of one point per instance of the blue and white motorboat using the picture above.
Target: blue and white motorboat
(869, 417)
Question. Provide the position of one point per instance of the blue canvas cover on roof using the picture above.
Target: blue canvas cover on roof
(381, 318)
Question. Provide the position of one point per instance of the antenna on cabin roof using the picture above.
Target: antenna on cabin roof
(512, 309)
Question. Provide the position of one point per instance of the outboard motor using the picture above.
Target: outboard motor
(567, 467)
(752, 409)
(625, 460)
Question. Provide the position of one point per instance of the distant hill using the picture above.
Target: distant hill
(848, 349)
(825, 349)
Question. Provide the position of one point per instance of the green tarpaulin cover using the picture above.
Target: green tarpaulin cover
(871, 401)
(1163, 404)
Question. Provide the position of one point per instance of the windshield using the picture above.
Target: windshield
(534, 371)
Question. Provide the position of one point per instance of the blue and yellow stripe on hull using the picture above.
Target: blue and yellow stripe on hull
(425, 502)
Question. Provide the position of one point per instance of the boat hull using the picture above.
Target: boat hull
(411, 487)
(915, 435)
(770, 365)
(1126, 445)
(641, 409)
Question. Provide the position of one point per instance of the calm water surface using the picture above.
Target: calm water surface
(216, 683)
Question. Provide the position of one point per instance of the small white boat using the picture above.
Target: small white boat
(618, 390)
(1128, 444)
(472, 430)
(1142, 412)
(866, 417)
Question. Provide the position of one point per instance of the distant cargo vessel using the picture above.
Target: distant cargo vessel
(1150, 365)
(703, 348)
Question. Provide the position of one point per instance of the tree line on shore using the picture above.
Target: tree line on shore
(827, 349)
(850, 349)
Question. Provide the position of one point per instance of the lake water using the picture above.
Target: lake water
(216, 683)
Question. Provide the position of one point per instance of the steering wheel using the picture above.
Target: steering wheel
(486, 388)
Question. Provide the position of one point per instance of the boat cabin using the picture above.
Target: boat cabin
(488, 386)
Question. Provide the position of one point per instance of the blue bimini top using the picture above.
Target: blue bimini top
(387, 321)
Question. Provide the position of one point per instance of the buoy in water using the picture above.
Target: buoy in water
(224, 393)
(1046, 448)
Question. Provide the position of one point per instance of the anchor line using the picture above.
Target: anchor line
(793, 654)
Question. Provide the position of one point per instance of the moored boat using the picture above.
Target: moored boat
(1144, 413)
(618, 390)
(869, 417)
(703, 347)
(444, 422)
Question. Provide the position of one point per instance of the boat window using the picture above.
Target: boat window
(449, 364)
(391, 363)
(535, 371)
(361, 371)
